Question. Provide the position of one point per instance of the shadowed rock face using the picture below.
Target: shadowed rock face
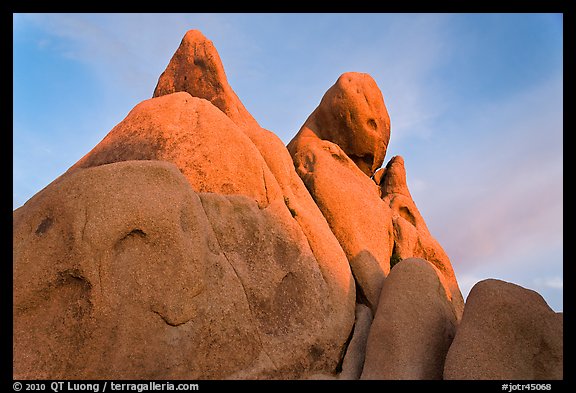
(507, 332)
(353, 362)
(247, 189)
(123, 270)
(413, 326)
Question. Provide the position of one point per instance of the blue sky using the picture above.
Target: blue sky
(475, 102)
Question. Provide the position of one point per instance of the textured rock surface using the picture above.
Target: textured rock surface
(411, 235)
(507, 332)
(362, 225)
(353, 359)
(413, 326)
(123, 270)
(329, 154)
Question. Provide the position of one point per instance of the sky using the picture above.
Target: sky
(475, 101)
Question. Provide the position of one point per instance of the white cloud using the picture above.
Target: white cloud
(500, 193)
(556, 282)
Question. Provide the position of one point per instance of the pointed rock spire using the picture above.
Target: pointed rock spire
(196, 68)
(189, 221)
(392, 179)
(411, 235)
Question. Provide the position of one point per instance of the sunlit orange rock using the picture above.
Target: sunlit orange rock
(209, 149)
(340, 186)
(411, 235)
(196, 68)
(353, 116)
(267, 225)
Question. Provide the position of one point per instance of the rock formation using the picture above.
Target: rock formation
(335, 152)
(206, 146)
(190, 243)
(196, 68)
(353, 116)
(127, 263)
(216, 156)
(411, 235)
(508, 333)
(363, 226)
(414, 325)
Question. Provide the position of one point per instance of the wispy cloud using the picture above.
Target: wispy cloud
(120, 57)
(406, 72)
(503, 190)
(125, 55)
(286, 85)
(550, 282)
(120, 51)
